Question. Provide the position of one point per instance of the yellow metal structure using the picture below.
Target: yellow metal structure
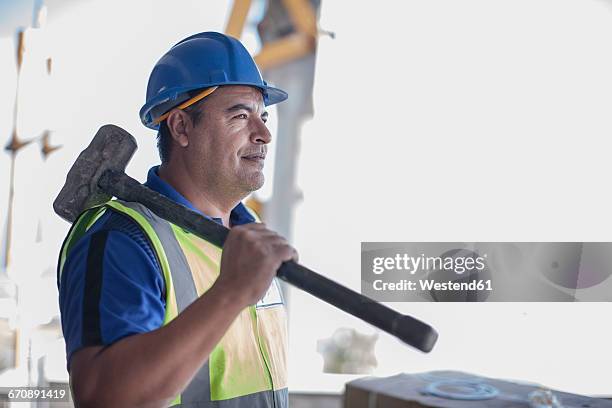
(237, 18)
(294, 46)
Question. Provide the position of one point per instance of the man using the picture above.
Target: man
(154, 316)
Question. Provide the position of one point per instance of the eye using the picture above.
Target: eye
(264, 119)
(241, 116)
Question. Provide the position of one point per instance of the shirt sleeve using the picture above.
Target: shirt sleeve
(111, 287)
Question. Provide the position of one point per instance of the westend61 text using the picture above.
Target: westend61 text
(412, 264)
(430, 284)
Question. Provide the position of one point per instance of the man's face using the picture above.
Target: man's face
(228, 144)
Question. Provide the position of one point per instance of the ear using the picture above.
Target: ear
(179, 125)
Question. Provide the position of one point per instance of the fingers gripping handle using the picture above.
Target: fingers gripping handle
(410, 330)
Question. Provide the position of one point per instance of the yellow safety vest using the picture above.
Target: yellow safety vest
(248, 367)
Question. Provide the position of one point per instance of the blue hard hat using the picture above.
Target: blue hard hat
(200, 61)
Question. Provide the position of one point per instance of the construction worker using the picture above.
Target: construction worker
(154, 316)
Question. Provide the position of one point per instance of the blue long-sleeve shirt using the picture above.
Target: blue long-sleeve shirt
(111, 285)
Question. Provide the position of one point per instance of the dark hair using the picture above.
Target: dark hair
(164, 137)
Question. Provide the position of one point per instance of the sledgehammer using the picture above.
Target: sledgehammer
(99, 174)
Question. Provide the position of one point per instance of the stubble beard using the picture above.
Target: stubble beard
(241, 184)
(252, 182)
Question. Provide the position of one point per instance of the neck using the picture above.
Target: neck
(204, 196)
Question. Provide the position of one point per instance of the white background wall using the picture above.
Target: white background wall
(461, 121)
(435, 120)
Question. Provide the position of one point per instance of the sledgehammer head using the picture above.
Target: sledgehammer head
(111, 149)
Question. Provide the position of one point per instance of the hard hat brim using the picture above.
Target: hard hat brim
(271, 94)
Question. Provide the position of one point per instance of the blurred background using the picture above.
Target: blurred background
(439, 120)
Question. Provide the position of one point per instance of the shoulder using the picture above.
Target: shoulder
(129, 229)
(114, 249)
(116, 226)
(110, 284)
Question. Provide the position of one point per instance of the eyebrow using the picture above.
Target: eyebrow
(242, 106)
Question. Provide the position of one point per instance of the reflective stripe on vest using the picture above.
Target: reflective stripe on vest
(247, 368)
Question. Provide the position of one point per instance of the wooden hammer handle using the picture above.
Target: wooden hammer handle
(408, 329)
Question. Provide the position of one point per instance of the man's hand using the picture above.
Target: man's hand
(251, 256)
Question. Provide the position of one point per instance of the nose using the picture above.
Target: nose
(260, 133)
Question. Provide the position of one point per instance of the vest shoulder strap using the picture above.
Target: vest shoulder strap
(82, 224)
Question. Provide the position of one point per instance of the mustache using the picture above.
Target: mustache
(262, 152)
